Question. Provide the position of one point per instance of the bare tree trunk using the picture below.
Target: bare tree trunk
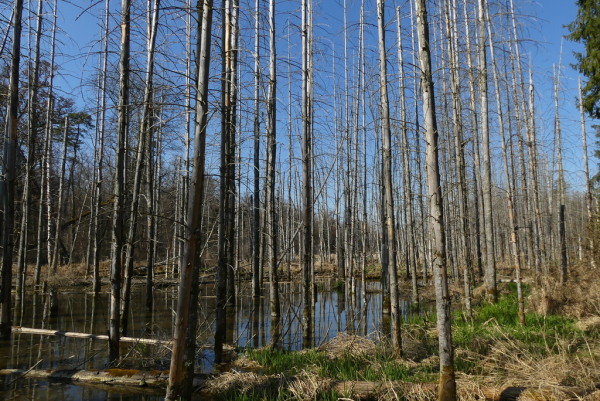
(459, 153)
(185, 182)
(529, 193)
(32, 110)
(118, 220)
(144, 142)
(7, 186)
(256, 289)
(447, 384)
(514, 243)
(153, 200)
(341, 227)
(586, 170)
(233, 115)
(407, 180)
(339, 254)
(225, 279)
(533, 167)
(193, 233)
(45, 181)
(478, 198)
(59, 207)
(100, 154)
(270, 183)
(307, 175)
(561, 181)
(425, 257)
(490, 260)
(390, 220)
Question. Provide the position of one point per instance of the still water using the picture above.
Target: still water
(249, 326)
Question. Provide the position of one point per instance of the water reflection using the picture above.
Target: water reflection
(249, 325)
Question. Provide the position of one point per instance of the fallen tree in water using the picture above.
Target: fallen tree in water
(121, 377)
(103, 337)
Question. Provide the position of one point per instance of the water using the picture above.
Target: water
(248, 326)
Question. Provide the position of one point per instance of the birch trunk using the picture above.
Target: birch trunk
(59, 207)
(447, 383)
(100, 155)
(484, 126)
(144, 142)
(458, 150)
(561, 181)
(407, 178)
(514, 242)
(390, 220)
(32, 110)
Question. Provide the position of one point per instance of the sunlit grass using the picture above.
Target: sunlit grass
(475, 339)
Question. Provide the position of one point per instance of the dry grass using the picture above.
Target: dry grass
(345, 344)
(306, 386)
(235, 381)
(66, 275)
(579, 297)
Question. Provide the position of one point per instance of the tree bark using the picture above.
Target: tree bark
(61, 179)
(100, 155)
(118, 220)
(447, 383)
(307, 176)
(490, 259)
(512, 214)
(388, 198)
(561, 182)
(588, 183)
(406, 170)
(7, 186)
(226, 247)
(270, 183)
(256, 289)
(193, 233)
(32, 110)
(144, 143)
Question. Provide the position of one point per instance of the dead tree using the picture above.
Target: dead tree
(7, 185)
(447, 383)
(390, 245)
(193, 232)
(118, 220)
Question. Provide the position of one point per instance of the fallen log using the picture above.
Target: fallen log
(122, 381)
(122, 377)
(59, 333)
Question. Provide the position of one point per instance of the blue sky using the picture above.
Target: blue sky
(544, 26)
(549, 18)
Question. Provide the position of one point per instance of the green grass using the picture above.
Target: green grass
(339, 285)
(542, 335)
(503, 314)
(377, 367)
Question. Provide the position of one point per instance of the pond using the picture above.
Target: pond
(249, 326)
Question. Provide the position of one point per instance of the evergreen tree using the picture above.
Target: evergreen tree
(586, 30)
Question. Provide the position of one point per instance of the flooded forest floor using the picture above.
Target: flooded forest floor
(555, 356)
